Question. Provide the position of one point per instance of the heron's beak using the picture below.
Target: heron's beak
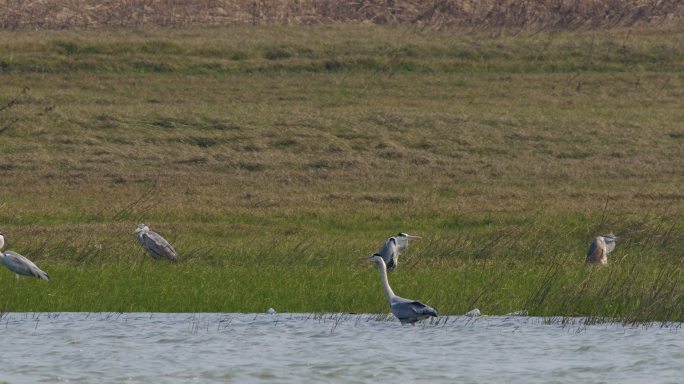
(412, 237)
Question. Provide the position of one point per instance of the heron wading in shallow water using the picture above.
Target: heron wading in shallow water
(406, 310)
(154, 244)
(600, 248)
(391, 249)
(19, 264)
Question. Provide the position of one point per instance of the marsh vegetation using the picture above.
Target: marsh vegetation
(276, 159)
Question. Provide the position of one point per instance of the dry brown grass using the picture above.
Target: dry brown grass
(544, 14)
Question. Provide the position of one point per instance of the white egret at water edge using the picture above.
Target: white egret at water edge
(406, 310)
(599, 249)
(391, 249)
(154, 244)
(19, 264)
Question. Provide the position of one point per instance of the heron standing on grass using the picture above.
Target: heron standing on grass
(154, 244)
(19, 264)
(406, 310)
(391, 249)
(599, 249)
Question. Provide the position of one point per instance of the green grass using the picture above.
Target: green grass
(275, 159)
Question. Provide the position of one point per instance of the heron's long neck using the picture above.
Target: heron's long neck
(2, 242)
(385, 283)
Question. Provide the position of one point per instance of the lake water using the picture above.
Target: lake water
(331, 348)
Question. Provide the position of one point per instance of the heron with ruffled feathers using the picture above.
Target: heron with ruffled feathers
(599, 249)
(393, 247)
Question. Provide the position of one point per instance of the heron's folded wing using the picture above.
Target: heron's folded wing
(17, 262)
(157, 244)
(387, 252)
(610, 246)
(386, 249)
(23, 266)
(421, 308)
(411, 308)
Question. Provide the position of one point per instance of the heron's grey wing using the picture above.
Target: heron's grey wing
(388, 253)
(610, 245)
(23, 266)
(157, 245)
(594, 251)
(412, 311)
(422, 309)
(14, 262)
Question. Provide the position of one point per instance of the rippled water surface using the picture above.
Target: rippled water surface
(294, 348)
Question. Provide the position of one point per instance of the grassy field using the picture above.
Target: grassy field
(276, 159)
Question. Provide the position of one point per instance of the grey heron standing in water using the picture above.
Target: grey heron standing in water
(599, 249)
(19, 264)
(391, 249)
(406, 310)
(154, 244)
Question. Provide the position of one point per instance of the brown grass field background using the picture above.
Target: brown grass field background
(40, 14)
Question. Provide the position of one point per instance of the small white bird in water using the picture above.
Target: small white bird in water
(154, 244)
(406, 310)
(19, 264)
(391, 249)
(600, 248)
(522, 312)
